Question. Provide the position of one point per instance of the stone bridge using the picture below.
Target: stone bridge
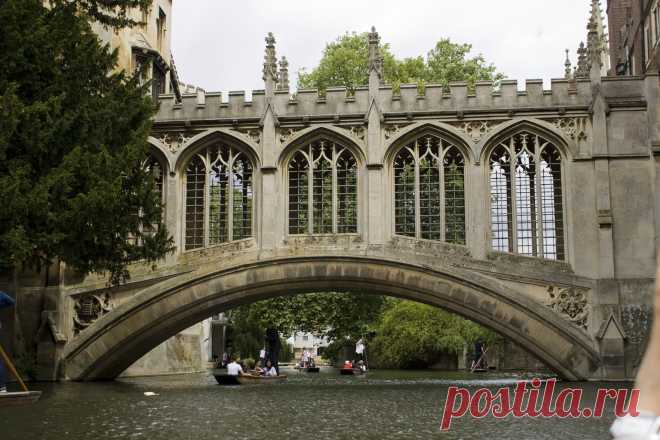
(533, 212)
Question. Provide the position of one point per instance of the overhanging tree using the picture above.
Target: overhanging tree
(73, 140)
(345, 62)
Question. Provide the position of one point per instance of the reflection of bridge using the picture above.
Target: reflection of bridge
(531, 212)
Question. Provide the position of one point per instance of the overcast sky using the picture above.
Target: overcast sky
(219, 44)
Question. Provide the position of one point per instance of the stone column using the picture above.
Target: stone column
(269, 215)
(377, 185)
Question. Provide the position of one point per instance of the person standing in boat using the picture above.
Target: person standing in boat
(273, 347)
(479, 356)
(359, 349)
(5, 301)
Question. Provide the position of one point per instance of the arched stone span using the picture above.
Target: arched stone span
(121, 337)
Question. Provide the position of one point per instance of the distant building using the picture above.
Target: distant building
(634, 27)
(146, 45)
(307, 341)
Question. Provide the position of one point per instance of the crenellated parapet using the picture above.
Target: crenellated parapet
(410, 101)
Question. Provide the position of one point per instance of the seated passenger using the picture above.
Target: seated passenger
(270, 369)
(234, 368)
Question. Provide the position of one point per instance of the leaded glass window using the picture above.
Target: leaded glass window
(323, 182)
(219, 197)
(429, 190)
(526, 197)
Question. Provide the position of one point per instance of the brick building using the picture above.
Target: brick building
(634, 31)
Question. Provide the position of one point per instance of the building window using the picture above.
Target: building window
(526, 200)
(161, 28)
(219, 197)
(656, 18)
(323, 182)
(158, 82)
(647, 43)
(429, 190)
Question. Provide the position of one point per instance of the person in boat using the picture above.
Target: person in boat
(270, 369)
(359, 349)
(234, 368)
(348, 365)
(272, 346)
(257, 368)
(5, 301)
(262, 356)
(479, 356)
(362, 366)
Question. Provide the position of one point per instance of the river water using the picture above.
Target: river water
(381, 405)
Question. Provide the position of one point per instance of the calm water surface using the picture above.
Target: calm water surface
(382, 405)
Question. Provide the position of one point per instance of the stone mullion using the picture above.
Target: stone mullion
(310, 191)
(207, 199)
(418, 218)
(230, 194)
(334, 189)
(441, 174)
(538, 178)
(514, 204)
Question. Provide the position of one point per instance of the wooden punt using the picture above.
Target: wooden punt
(226, 379)
(19, 398)
(351, 371)
(247, 379)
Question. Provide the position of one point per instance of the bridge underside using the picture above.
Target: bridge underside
(121, 337)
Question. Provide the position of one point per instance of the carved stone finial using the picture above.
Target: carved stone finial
(375, 57)
(283, 80)
(270, 59)
(582, 70)
(567, 66)
(597, 45)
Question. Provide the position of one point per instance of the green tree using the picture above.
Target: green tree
(410, 334)
(345, 62)
(73, 139)
(332, 314)
(114, 13)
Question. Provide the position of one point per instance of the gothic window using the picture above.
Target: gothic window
(429, 190)
(219, 197)
(323, 189)
(154, 167)
(526, 201)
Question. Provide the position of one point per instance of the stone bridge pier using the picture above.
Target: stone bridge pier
(531, 211)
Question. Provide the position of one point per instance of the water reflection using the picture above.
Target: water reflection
(384, 404)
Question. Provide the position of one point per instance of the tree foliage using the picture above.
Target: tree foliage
(247, 333)
(113, 13)
(332, 314)
(73, 139)
(345, 62)
(410, 334)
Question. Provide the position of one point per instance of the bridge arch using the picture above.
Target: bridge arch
(121, 337)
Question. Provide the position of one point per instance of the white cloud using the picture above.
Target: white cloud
(219, 45)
